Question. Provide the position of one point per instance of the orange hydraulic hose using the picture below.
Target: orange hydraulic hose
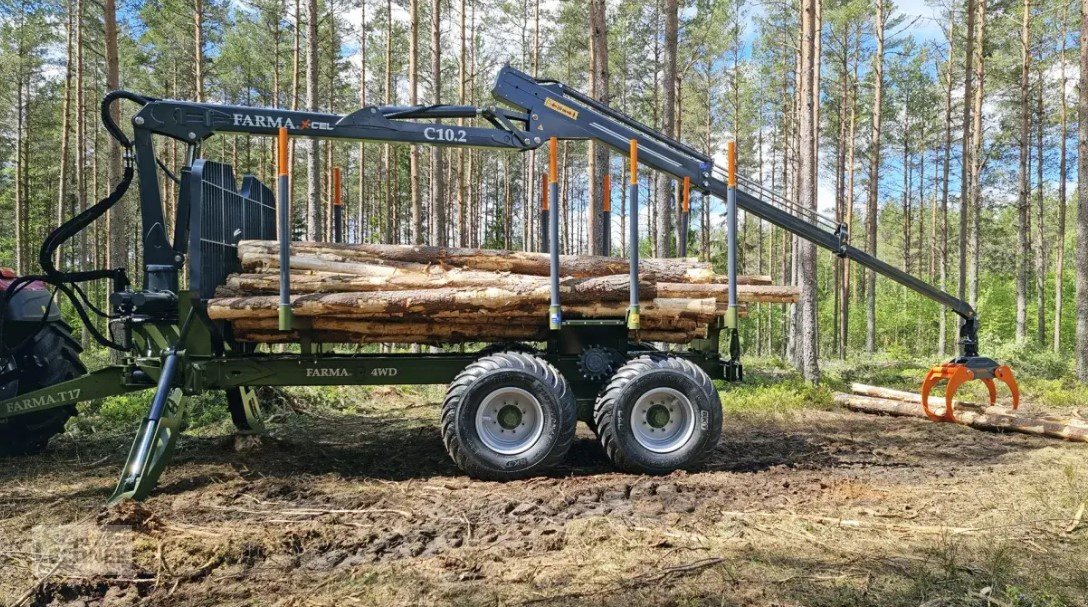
(634, 162)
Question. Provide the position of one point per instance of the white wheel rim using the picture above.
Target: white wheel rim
(509, 420)
(663, 420)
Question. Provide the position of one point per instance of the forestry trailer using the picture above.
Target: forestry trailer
(510, 410)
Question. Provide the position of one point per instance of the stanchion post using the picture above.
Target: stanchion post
(734, 370)
(632, 310)
(685, 214)
(555, 311)
(606, 216)
(545, 224)
(283, 196)
(337, 208)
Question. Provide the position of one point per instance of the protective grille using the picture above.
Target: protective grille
(221, 216)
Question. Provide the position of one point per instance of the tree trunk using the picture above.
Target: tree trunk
(198, 51)
(808, 346)
(872, 204)
(314, 208)
(664, 212)
(118, 215)
(439, 231)
(1081, 261)
(360, 224)
(1040, 223)
(1023, 207)
(1063, 109)
(598, 153)
(946, 165)
(413, 99)
(974, 204)
(66, 125)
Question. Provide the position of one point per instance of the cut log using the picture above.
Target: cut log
(488, 260)
(607, 287)
(992, 418)
(746, 293)
(446, 303)
(356, 325)
(358, 332)
(574, 290)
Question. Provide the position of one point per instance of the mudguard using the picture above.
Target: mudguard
(30, 303)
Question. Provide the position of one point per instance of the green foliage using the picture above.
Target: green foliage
(771, 388)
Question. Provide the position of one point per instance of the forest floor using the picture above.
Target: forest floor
(356, 503)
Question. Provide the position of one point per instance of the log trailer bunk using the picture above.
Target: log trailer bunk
(510, 411)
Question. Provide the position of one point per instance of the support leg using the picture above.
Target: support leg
(154, 444)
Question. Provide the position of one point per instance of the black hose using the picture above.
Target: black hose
(67, 283)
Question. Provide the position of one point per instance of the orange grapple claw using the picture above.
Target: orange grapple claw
(955, 374)
(1004, 373)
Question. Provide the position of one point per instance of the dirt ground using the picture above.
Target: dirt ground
(812, 507)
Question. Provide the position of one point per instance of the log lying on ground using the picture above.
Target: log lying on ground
(906, 404)
(253, 253)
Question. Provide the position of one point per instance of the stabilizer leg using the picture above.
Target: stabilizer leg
(245, 410)
(154, 444)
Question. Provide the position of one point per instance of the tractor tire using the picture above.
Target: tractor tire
(51, 357)
(507, 416)
(658, 414)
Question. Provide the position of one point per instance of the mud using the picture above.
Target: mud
(812, 508)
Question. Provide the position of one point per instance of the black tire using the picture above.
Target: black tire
(482, 380)
(671, 377)
(632, 346)
(51, 357)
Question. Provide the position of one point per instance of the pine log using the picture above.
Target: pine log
(429, 334)
(574, 290)
(446, 303)
(309, 281)
(363, 326)
(992, 419)
(489, 260)
(746, 293)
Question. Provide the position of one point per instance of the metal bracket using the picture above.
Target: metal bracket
(245, 410)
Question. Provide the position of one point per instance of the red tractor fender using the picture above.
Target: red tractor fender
(30, 303)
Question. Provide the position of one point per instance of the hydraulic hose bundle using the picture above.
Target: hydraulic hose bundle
(68, 282)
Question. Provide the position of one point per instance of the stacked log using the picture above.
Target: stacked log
(414, 294)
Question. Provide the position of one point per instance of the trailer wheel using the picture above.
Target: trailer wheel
(51, 357)
(507, 416)
(658, 414)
